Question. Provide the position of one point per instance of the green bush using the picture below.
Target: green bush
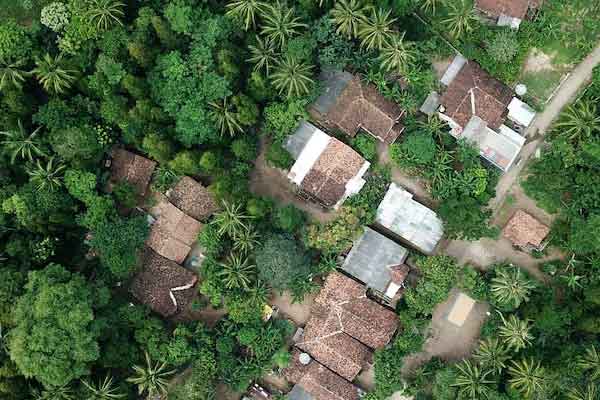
(366, 145)
(278, 156)
(289, 218)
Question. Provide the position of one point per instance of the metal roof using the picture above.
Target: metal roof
(371, 258)
(334, 83)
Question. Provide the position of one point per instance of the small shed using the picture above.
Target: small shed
(520, 113)
(526, 232)
(461, 309)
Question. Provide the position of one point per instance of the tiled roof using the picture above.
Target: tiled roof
(162, 285)
(319, 382)
(173, 233)
(475, 92)
(361, 105)
(193, 199)
(131, 168)
(512, 8)
(329, 175)
(523, 229)
(344, 325)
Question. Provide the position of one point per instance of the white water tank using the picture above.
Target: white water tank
(520, 89)
(304, 358)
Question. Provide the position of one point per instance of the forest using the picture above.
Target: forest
(203, 87)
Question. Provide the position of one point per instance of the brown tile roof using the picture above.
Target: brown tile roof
(173, 233)
(523, 229)
(193, 199)
(162, 285)
(362, 106)
(131, 168)
(491, 97)
(344, 325)
(334, 168)
(319, 381)
(512, 8)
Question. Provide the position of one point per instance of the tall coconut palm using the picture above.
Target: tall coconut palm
(230, 220)
(376, 30)
(22, 143)
(263, 54)
(292, 77)
(246, 11)
(492, 354)
(55, 393)
(225, 117)
(397, 55)
(104, 390)
(590, 392)
(461, 17)
(11, 74)
(348, 15)
(527, 377)
(106, 13)
(237, 272)
(53, 74)
(515, 332)
(245, 241)
(280, 24)
(590, 362)
(152, 378)
(429, 6)
(48, 176)
(472, 381)
(580, 121)
(510, 287)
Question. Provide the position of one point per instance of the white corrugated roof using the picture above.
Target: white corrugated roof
(310, 153)
(520, 112)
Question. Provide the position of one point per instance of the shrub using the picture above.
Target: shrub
(504, 46)
(279, 157)
(366, 146)
(186, 163)
(280, 260)
(55, 16)
(289, 218)
(125, 194)
(244, 149)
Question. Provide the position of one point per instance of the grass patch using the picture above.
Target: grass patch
(541, 84)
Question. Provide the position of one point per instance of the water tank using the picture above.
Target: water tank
(304, 358)
(520, 89)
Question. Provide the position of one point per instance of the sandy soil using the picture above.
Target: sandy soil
(538, 61)
(366, 379)
(272, 182)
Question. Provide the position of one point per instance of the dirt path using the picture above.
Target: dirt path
(578, 78)
(273, 183)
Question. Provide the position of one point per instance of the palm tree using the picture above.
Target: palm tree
(47, 177)
(55, 393)
(292, 77)
(151, 378)
(245, 241)
(225, 117)
(429, 6)
(105, 390)
(11, 74)
(510, 287)
(246, 11)
(397, 55)
(580, 121)
(106, 13)
(22, 144)
(461, 17)
(589, 393)
(53, 74)
(527, 377)
(280, 24)
(472, 381)
(492, 354)
(376, 30)
(230, 220)
(590, 363)
(515, 332)
(348, 15)
(434, 126)
(262, 54)
(237, 272)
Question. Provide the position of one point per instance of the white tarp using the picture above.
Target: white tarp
(520, 112)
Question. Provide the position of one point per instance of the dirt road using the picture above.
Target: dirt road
(569, 90)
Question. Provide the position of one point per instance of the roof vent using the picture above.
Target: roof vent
(304, 358)
(520, 89)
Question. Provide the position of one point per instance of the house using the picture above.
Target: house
(345, 326)
(326, 170)
(526, 232)
(461, 309)
(128, 167)
(477, 106)
(313, 381)
(411, 221)
(378, 262)
(173, 232)
(506, 12)
(162, 285)
(193, 199)
(350, 105)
